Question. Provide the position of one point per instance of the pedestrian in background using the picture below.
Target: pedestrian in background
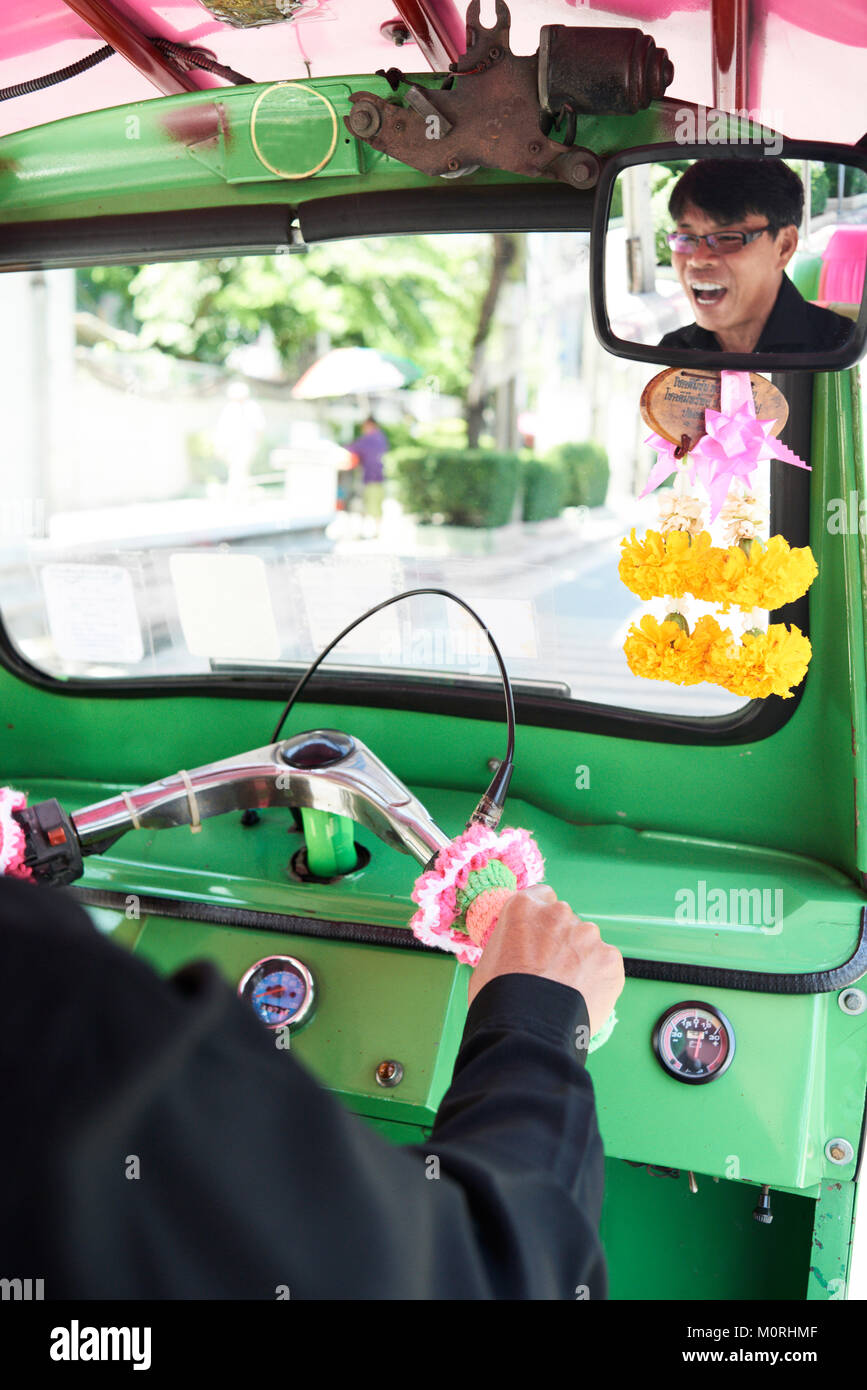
(370, 448)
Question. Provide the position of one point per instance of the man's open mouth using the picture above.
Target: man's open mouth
(707, 291)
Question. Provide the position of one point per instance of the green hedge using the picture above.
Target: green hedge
(586, 473)
(465, 487)
(819, 188)
(544, 489)
(854, 180)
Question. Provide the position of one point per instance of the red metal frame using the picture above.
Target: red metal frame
(729, 30)
(437, 27)
(131, 44)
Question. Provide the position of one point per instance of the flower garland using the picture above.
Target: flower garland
(751, 574)
(761, 664)
(680, 561)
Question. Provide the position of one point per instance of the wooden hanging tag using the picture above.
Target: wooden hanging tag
(674, 402)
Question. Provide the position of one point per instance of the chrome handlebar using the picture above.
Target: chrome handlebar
(323, 768)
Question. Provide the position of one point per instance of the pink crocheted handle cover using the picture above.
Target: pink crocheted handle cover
(437, 890)
(12, 843)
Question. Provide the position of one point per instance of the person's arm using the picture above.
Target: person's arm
(517, 1130)
(165, 1148)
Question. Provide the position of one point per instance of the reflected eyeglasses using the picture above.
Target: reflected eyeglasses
(723, 242)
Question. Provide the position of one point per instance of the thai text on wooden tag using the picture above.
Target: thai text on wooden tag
(674, 402)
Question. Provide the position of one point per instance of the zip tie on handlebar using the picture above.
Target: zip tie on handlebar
(133, 813)
(195, 818)
(461, 897)
(12, 842)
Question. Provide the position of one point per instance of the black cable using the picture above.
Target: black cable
(177, 51)
(490, 806)
(198, 59)
(38, 84)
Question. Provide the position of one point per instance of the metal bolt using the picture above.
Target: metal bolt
(396, 31)
(389, 1073)
(453, 164)
(579, 173)
(365, 118)
(494, 764)
(495, 53)
(852, 1001)
(839, 1151)
(534, 147)
(398, 126)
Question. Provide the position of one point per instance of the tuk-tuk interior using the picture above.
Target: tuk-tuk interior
(181, 536)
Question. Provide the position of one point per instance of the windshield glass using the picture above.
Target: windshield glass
(214, 466)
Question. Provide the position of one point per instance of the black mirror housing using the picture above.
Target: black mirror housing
(834, 359)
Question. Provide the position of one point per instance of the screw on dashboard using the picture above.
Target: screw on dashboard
(389, 1073)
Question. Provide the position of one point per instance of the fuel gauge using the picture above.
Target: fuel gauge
(280, 990)
(694, 1043)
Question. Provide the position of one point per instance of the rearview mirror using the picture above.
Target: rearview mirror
(727, 256)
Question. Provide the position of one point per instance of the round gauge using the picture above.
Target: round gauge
(280, 990)
(694, 1042)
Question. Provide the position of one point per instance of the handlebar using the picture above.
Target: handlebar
(323, 768)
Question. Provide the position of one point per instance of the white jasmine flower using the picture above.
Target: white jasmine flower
(743, 517)
(680, 513)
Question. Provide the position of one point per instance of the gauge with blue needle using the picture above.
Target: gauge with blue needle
(280, 990)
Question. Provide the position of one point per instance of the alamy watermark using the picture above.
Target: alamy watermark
(705, 125)
(463, 648)
(739, 907)
(847, 516)
(22, 1290)
(77, 1343)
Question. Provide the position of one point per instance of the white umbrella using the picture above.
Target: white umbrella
(354, 371)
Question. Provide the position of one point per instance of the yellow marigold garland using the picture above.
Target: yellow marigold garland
(764, 663)
(771, 662)
(662, 565)
(673, 565)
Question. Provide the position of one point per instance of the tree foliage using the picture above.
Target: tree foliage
(414, 296)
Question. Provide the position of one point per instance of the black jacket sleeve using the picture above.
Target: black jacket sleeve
(159, 1146)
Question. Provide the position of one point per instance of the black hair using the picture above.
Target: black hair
(727, 190)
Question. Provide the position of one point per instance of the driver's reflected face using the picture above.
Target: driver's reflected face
(732, 294)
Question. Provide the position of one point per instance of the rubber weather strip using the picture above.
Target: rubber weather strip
(752, 981)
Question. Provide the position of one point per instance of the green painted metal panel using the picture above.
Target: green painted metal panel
(800, 1069)
(664, 1242)
(396, 1133)
(831, 1241)
(259, 143)
(657, 1234)
(657, 897)
(371, 1004)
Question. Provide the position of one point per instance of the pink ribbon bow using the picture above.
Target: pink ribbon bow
(734, 444)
